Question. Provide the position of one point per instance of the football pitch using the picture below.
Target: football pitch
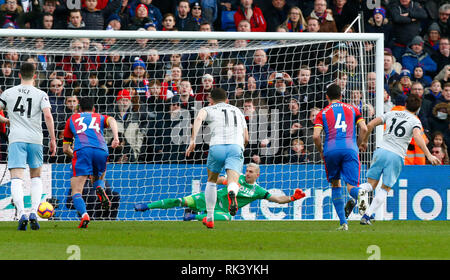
(237, 240)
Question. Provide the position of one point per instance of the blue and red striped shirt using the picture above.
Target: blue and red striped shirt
(87, 129)
(339, 121)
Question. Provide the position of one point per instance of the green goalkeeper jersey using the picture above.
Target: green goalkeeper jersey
(247, 194)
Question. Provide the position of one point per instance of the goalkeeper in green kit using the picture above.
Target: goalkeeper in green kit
(249, 191)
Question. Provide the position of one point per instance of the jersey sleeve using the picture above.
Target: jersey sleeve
(318, 122)
(68, 134)
(45, 102)
(261, 193)
(2, 102)
(358, 115)
(105, 121)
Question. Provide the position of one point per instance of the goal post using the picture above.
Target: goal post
(260, 70)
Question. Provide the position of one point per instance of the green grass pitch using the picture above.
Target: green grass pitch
(238, 240)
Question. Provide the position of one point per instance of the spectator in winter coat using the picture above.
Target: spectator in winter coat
(416, 56)
(247, 10)
(406, 18)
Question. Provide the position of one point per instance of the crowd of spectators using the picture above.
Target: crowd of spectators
(154, 96)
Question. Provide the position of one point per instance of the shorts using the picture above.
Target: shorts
(89, 161)
(197, 203)
(387, 163)
(343, 164)
(23, 154)
(228, 156)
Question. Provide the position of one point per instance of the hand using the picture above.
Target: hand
(191, 148)
(249, 14)
(363, 147)
(298, 194)
(434, 160)
(115, 143)
(53, 147)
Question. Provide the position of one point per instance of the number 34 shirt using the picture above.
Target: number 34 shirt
(24, 105)
(87, 129)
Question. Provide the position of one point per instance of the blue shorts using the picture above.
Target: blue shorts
(20, 154)
(89, 161)
(387, 163)
(228, 156)
(342, 163)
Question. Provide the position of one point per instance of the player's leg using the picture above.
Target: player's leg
(16, 166)
(333, 170)
(100, 159)
(351, 168)
(390, 165)
(218, 216)
(77, 184)
(82, 169)
(35, 162)
(214, 165)
(233, 165)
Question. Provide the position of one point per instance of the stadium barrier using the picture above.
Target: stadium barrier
(422, 192)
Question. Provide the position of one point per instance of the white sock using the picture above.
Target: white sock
(17, 195)
(210, 200)
(36, 193)
(233, 187)
(378, 200)
(366, 187)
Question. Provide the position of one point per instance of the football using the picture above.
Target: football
(45, 210)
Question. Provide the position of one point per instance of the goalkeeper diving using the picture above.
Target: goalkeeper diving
(249, 191)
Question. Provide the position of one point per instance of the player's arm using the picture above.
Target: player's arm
(362, 131)
(246, 137)
(4, 120)
(417, 134)
(51, 129)
(371, 126)
(68, 140)
(282, 199)
(317, 138)
(112, 123)
(201, 116)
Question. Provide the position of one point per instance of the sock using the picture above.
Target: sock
(366, 187)
(218, 216)
(210, 199)
(99, 183)
(17, 195)
(165, 203)
(338, 202)
(354, 192)
(378, 200)
(233, 187)
(79, 204)
(36, 193)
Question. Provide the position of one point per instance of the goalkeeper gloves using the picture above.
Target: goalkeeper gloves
(297, 194)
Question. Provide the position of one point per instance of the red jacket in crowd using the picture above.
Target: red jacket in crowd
(257, 21)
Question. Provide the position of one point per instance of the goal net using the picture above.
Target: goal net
(154, 83)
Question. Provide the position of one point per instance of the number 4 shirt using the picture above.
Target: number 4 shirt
(24, 105)
(338, 121)
(87, 129)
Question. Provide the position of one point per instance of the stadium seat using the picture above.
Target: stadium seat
(228, 21)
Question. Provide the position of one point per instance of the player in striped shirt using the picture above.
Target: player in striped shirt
(339, 121)
(229, 135)
(89, 154)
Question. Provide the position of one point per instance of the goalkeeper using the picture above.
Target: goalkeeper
(249, 191)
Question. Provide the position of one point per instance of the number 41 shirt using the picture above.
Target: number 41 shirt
(24, 105)
(87, 129)
(338, 121)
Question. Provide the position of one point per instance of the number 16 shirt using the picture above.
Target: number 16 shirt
(87, 129)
